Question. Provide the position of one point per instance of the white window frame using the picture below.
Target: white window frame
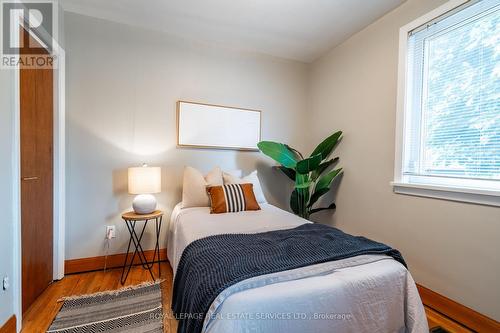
(402, 184)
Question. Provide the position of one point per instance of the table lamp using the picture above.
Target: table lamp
(144, 181)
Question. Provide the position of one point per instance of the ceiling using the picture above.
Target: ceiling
(301, 30)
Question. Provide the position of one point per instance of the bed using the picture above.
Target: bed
(366, 293)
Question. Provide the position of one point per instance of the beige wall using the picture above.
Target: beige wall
(452, 248)
(122, 86)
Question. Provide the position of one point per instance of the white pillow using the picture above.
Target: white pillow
(251, 178)
(194, 187)
(238, 173)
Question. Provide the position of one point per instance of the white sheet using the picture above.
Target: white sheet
(190, 224)
(370, 293)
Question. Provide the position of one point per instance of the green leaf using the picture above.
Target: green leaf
(278, 152)
(302, 181)
(315, 210)
(323, 185)
(318, 194)
(287, 171)
(303, 185)
(322, 167)
(326, 180)
(297, 153)
(309, 164)
(326, 147)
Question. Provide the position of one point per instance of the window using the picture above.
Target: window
(449, 104)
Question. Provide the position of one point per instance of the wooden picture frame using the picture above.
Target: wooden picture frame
(211, 126)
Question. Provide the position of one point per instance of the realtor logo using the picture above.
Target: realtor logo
(27, 34)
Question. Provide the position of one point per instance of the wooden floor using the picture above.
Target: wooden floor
(436, 319)
(40, 315)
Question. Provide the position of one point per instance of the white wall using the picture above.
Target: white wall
(6, 222)
(452, 248)
(122, 86)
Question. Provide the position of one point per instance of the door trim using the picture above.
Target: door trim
(59, 194)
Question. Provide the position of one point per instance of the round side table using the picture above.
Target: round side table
(131, 219)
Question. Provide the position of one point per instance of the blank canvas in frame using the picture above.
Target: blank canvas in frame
(214, 126)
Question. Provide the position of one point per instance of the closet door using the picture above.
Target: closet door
(36, 116)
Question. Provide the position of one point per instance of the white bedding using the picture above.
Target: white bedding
(370, 293)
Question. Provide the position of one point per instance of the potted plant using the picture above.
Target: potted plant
(310, 175)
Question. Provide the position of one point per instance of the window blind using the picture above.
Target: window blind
(452, 124)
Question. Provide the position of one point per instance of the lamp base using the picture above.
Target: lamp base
(144, 204)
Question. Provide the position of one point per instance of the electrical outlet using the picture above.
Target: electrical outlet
(110, 231)
(6, 283)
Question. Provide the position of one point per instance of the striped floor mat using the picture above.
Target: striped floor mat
(129, 310)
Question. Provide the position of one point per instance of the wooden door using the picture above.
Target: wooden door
(36, 115)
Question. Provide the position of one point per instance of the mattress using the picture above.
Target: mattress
(369, 293)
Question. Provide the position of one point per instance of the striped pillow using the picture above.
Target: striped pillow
(232, 198)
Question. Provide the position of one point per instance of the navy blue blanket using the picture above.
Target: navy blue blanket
(212, 264)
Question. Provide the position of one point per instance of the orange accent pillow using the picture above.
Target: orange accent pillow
(232, 198)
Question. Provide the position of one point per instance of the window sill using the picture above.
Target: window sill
(482, 197)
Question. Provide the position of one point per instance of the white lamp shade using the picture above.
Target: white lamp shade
(144, 180)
